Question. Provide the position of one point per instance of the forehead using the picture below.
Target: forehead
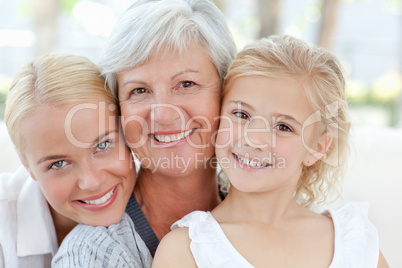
(269, 94)
(167, 59)
(62, 125)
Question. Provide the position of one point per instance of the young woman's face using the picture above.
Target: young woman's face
(170, 109)
(265, 132)
(80, 161)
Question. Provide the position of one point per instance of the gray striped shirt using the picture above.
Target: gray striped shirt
(118, 245)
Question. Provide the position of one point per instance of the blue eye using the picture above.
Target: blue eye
(241, 115)
(283, 127)
(58, 164)
(102, 146)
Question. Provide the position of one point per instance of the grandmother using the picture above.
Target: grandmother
(165, 62)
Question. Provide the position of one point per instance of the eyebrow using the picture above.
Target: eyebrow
(101, 137)
(133, 82)
(183, 72)
(277, 115)
(60, 156)
(173, 77)
(242, 103)
(286, 117)
(51, 157)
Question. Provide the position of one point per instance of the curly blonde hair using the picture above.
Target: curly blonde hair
(323, 81)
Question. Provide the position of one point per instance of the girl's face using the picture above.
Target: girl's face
(267, 132)
(80, 161)
(170, 109)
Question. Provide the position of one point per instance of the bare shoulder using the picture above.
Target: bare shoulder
(174, 250)
(320, 222)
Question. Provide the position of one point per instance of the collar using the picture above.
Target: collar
(36, 234)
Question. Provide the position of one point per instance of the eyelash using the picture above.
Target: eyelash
(141, 90)
(108, 142)
(282, 125)
(241, 114)
(181, 84)
(97, 150)
(135, 91)
(57, 168)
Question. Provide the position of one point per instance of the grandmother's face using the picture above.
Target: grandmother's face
(170, 109)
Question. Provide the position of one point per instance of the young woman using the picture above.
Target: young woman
(65, 127)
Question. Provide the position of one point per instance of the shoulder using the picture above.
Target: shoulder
(12, 183)
(174, 250)
(352, 215)
(178, 236)
(193, 218)
(17, 206)
(81, 247)
(356, 238)
(83, 236)
(94, 246)
(79, 242)
(189, 234)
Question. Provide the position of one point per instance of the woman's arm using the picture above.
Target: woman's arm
(174, 251)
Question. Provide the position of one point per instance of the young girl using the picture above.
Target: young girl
(65, 127)
(282, 143)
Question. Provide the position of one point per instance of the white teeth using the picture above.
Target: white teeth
(174, 137)
(101, 200)
(251, 163)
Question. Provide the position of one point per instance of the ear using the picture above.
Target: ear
(323, 143)
(24, 162)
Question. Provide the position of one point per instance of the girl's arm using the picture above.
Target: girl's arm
(174, 251)
(382, 263)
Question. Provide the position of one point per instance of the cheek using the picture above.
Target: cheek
(133, 124)
(56, 190)
(225, 133)
(229, 136)
(208, 109)
(119, 160)
(125, 169)
(290, 151)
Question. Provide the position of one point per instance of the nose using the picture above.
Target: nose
(164, 112)
(90, 177)
(257, 134)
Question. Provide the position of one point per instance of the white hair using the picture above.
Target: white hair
(148, 25)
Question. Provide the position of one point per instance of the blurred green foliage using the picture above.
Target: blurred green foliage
(68, 5)
(385, 92)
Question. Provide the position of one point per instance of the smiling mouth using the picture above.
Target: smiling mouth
(174, 137)
(251, 163)
(101, 200)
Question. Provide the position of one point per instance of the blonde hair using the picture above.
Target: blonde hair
(323, 81)
(53, 79)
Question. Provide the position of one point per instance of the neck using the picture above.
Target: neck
(271, 208)
(165, 199)
(62, 224)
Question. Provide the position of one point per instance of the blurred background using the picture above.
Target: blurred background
(365, 34)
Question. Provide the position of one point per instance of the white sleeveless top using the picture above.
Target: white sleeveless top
(356, 239)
